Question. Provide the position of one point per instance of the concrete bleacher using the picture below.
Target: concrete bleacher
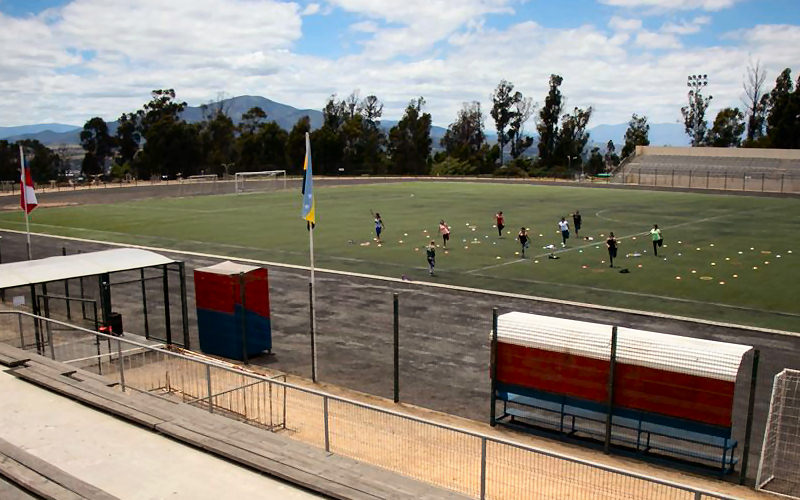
(769, 170)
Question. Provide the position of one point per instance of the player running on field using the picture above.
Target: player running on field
(563, 226)
(378, 227)
(524, 241)
(658, 240)
(611, 244)
(430, 252)
(501, 222)
(444, 230)
(576, 221)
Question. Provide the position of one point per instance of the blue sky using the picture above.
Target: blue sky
(69, 60)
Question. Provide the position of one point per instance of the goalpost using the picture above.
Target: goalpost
(259, 181)
(779, 469)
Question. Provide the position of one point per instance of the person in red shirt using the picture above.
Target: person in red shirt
(444, 230)
(501, 222)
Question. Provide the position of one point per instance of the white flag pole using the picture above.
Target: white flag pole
(24, 188)
(312, 283)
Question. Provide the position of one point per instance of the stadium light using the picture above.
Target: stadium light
(696, 83)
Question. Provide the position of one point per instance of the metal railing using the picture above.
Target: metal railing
(468, 462)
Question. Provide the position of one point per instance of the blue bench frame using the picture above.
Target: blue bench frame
(644, 424)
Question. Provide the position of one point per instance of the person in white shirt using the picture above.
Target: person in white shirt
(563, 225)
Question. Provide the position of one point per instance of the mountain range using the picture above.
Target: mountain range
(661, 134)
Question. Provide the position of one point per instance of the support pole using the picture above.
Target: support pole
(144, 305)
(24, 191)
(243, 300)
(66, 288)
(311, 323)
(612, 364)
(184, 306)
(493, 369)
(167, 320)
(36, 330)
(396, 348)
(48, 331)
(749, 425)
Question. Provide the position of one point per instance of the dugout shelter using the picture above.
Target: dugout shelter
(40, 279)
(657, 395)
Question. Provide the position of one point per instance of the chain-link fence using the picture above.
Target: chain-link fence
(710, 178)
(779, 469)
(474, 464)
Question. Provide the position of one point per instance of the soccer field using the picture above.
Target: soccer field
(725, 258)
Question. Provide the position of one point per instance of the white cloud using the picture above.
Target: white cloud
(652, 40)
(240, 47)
(623, 24)
(418, 25)
(364, 27)
(311, 9)
(686, 27)
(662, 5)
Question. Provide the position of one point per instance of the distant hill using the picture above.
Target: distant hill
(6, 132)
(661, 134)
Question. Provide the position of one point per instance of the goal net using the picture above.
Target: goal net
(267, 180)
(779, 469)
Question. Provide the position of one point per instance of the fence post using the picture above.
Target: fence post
(762, 182)
(673, 178)
(612, 364)
(184, 307)
(493, 369)
(483, 467)
(243, 299)
(66, 288)
(782, 176)
(744, 181)
(36, 328)
(208, 385)
(144, 305)
(690, 178)
(21, 334)
(749, 426)
(708, 177)
(327, 433)
(167, 320)
(121, 365)
(726, 181)
(396, 348)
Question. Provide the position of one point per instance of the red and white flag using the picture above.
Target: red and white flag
(27, 197)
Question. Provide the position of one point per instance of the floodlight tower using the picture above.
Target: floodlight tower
(696, 83)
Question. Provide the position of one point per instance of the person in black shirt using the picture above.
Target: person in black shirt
(576, 221)
(523, 239)
(611, 244)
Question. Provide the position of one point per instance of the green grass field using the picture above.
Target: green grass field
(726, 258)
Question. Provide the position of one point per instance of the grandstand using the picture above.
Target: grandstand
(737, 169)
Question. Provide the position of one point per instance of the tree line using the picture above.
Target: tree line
(156, 141)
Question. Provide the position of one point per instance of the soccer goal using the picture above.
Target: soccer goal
(267, 180)
(779, 468)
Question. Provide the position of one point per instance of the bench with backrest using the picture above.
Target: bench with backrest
(669, 396)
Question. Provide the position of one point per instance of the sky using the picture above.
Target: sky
(67, 61)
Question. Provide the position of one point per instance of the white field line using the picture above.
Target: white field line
(425, 284)
(649, 295)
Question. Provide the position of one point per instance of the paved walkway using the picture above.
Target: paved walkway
(124, 460)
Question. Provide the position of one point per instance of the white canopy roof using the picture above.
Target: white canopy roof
(29, 272)
(705, 358)
(227, 267)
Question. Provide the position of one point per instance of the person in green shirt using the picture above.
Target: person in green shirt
(658, 240)
(431, 253)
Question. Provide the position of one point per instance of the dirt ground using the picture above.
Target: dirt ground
(444, 334)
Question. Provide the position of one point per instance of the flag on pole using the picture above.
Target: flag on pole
(27, 197)
(308, 213)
